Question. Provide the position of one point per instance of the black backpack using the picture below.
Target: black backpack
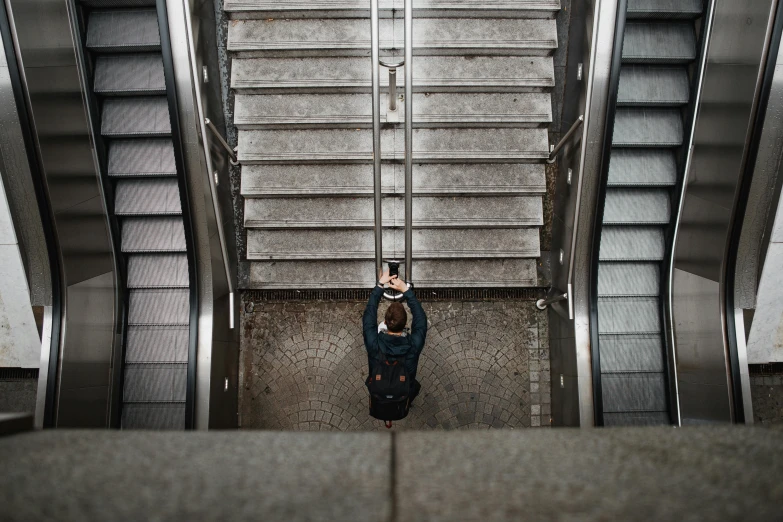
(390, 389)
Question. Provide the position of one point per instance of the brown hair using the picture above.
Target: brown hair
(396, 317)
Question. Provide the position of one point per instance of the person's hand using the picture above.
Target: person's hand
(384, 277)
(398, 284)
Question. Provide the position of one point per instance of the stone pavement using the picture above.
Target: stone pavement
(303, 365)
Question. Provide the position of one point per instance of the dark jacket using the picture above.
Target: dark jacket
(405, 347)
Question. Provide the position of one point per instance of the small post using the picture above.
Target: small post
(392, 89)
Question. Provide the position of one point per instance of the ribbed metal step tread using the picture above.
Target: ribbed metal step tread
(645, 418)
(157, 344)
(640, 9)
(121, 30)
(350, 37)
(262, 9)
(359, 244)
(130, 117)
(507, 179)
(637, 206)
(430, 273)
(431, 73)
(429, 145)
(129, 74)
(632, 244)
(153, 416)
(155, 382)
(669, 42)
(634, 392)
(628, 315)
(628, 279)
(631, 353)
(170, 306)
(139, 196)
(158, 271)
(141, 158)
(651, 85)
(640, 167)
(428, 212)
(104, 4)
(153, 234)
(647, 128)
(355, 110)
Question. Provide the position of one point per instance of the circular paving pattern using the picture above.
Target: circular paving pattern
(303, 365)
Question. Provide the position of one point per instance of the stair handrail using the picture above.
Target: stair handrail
(377, 62)
(560, 144)
(231, 154)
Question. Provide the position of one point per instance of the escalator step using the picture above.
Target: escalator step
(158, 234)
(647, 128)
(169, 306)
(628, 279)
(633, 392)
(157, 271)
(157, 344)
(638, 167)
(635, 418)
(632, 244)
(636, 206)
(653, 86)
(153, 416)
(631, 353)
(138, 197)
(628, 315)
(155, 382)
(141, 158)
(130, 30)
(124, 74)
(659, 43)
(640, 9)
(132, 117)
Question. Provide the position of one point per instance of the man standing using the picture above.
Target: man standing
(396, 342)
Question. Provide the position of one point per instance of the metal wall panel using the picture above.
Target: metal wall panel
(45, 52)
(735, 60)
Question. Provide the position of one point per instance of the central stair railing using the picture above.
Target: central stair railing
(407, 62)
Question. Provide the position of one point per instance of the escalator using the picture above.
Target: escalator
(648, 119)
(124, 63)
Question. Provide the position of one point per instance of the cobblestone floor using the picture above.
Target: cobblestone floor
(303, 364)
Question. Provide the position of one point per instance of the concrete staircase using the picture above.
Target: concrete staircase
(300, 72)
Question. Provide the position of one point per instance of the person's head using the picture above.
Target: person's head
(395, 318)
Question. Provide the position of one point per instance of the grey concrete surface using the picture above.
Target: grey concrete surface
(766, 392)
(691, 474)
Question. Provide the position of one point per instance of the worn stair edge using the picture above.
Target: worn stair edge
(360, 244)
(261, 9)
(430, 146)
(508, 179)
(525, 110)
(350, 37)
(488, 273)
(430, 73)
(428, 212)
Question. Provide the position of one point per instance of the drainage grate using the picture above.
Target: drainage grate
(15, 374)
(766, 369)
(430, 294)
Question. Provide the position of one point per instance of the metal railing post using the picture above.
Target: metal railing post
(376, 135)
(408, 139)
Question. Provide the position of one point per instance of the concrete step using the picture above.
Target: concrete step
(351, 37)
(360, 244)
(355, 110)
(429, 146)
(431, 74)
(428, 212)
(510, 179)
(264, 9)
(432, 273)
